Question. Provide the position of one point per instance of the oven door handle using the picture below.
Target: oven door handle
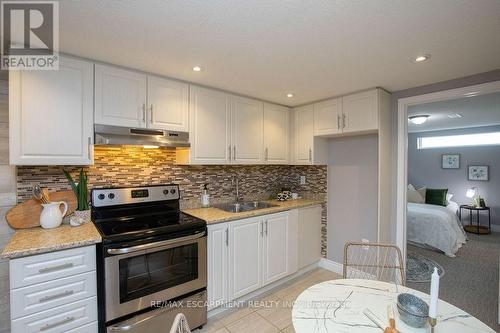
(142, 247)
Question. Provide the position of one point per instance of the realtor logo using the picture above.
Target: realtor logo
(30, 35)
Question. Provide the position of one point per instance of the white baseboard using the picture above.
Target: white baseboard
(331, 266)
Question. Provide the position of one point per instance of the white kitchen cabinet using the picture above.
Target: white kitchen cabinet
(245, 256)
(360, 112)
(217, 254)
(120, 97)
(308, 150)
(276, 247)
(328, 117)
(276, 134)
(54, 292)
(51, 115)
(309, 242)
(168, 104)
(209, 128)
(247, 130)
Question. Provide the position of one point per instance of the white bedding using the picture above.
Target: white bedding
(435, 226)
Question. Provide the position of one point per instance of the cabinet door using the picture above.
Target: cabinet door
(218, 241)
(210, 126)
(304, 132)
(360, 112)
(309, 235)
(248, 130)
(168, 103)
(245, 256)
(275, 248)
(120, 97)
(276, 119)
(328, 117)
(51, 115)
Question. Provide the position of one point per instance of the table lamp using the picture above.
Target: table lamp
(473, 193)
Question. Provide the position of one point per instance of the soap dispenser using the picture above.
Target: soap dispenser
(205, 197)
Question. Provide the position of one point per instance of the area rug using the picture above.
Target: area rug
(420, 268)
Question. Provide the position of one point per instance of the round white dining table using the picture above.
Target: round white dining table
(338, 305)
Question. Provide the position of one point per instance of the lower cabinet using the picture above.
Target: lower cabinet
(247, 254)
(54, 292)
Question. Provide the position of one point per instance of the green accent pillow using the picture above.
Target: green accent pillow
(435, 196)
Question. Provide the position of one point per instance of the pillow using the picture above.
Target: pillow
(416, 196)
(434, 196)
(448, 198)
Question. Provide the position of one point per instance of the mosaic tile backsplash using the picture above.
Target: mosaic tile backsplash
(137, 166)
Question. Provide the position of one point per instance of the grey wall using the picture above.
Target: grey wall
(424, 168)
(352, 192)
(7, 200)
(440, 86)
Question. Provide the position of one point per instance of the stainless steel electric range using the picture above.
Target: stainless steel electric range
(152, 263)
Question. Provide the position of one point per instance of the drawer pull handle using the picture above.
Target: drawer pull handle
(52, 297)
(59, 323)
(55, 268)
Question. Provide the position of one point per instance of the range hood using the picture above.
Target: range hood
(117, 135)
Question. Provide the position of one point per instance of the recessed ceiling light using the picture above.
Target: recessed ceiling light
(421, 58)
(471, 94)
(196, 69)
(290, 95)
(419, 119)
(454, 115)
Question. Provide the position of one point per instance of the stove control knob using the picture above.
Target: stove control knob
(172, 191)
(165, 192)
(101, 196)
(111, 196)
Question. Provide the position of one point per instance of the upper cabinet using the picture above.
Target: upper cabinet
(308, 149)
(352, 114)
(132, 99)
(247, 130)
(168, 103)
(360, 112)
(50, 115)
(229, 129)
(276, 133)
(210, 128)
(120, 97)
(328, 117)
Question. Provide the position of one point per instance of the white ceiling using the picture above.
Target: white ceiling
(476, 111)
(316, 49)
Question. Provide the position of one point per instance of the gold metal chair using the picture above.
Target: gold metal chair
(180, 324)
(374, 262)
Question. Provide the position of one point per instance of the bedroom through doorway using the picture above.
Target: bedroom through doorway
(452, 197)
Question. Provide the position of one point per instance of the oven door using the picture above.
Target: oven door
(136, 277)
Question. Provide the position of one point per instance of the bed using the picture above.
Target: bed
(435, 226)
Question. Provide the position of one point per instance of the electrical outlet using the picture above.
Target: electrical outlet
(302, 180)
(364, 240)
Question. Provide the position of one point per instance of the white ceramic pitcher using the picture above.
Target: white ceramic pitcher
(51, 216)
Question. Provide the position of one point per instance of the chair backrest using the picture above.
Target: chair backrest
(180, 324)
(374, 262)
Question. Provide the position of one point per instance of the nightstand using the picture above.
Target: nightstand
(477, 229)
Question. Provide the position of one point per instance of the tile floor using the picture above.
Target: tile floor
(268, 313)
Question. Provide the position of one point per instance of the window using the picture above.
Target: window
(464, 140)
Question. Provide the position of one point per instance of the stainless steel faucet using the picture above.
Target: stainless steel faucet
(235, 181)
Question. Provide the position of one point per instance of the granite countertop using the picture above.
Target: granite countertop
(32, 241)
(215, 215)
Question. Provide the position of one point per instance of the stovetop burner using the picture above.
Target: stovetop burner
(134, 213)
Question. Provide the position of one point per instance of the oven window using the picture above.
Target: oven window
(152, 272)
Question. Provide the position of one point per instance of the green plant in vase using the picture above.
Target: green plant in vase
(82, 213)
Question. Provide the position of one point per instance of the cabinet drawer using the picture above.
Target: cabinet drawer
(89, 328)
(50, 266)
(39, 297)
(60, 319)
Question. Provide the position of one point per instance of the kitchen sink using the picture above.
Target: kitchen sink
(233, 207)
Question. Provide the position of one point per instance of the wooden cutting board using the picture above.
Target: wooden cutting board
(27, 214)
